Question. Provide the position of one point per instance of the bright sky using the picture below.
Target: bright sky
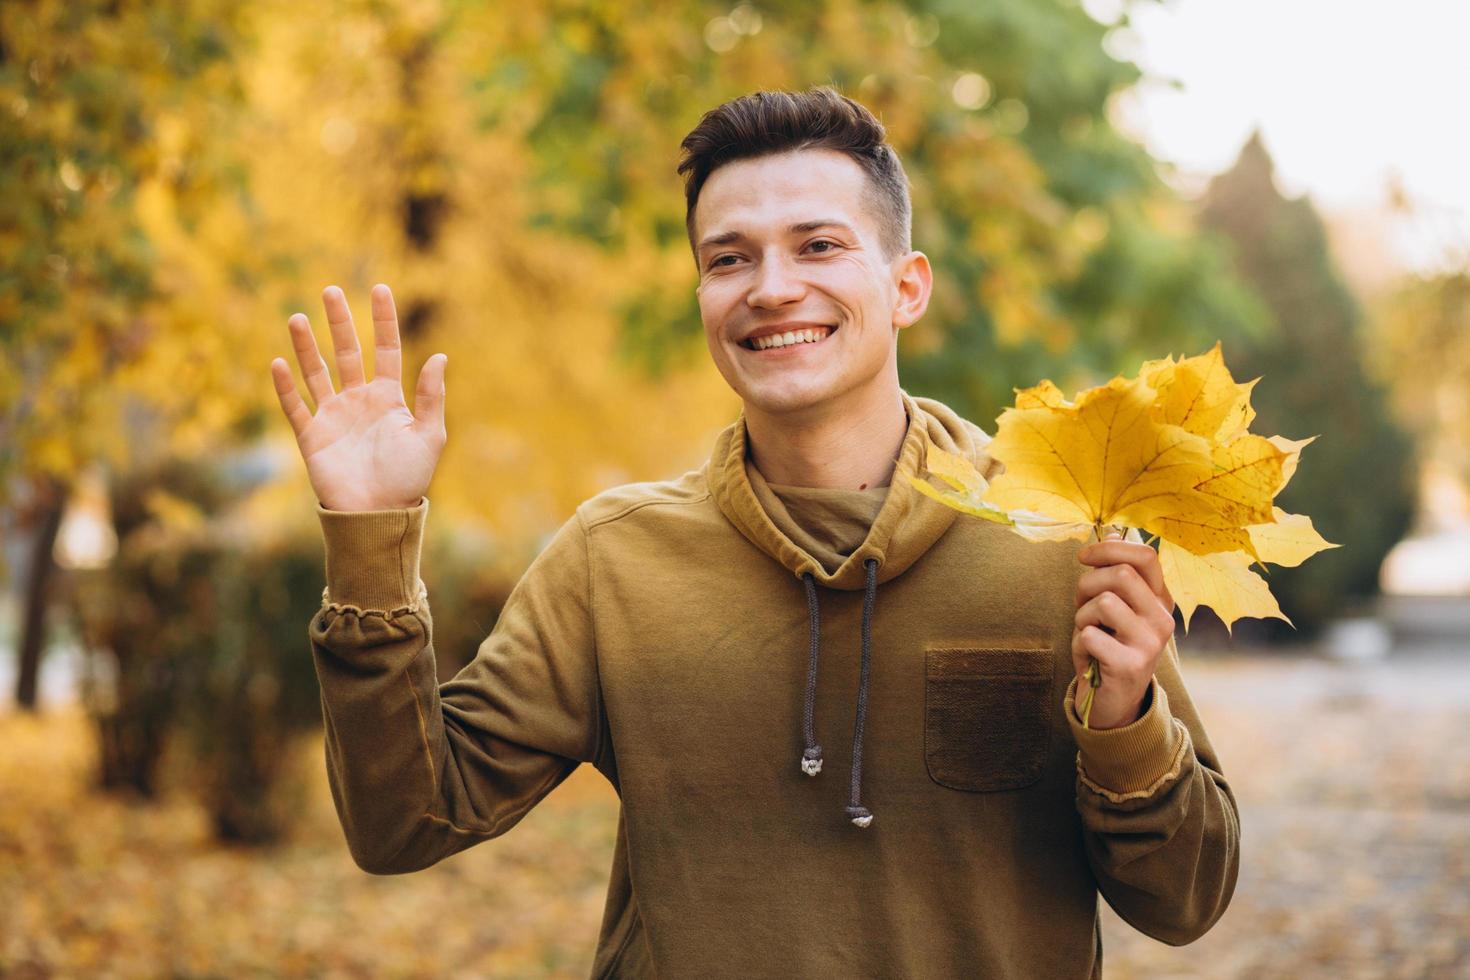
(1348, 95)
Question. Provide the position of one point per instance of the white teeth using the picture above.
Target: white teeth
(791, 337)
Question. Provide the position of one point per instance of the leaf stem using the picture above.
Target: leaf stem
(1094, 670)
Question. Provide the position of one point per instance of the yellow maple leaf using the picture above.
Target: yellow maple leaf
(966, 493)
(1040, 396)
(1293, 450)
(1103, 460)
(1199, 394)
(1288, 540)
(1167, 451)
(1247, 473)
(1223, 581)
(953, 469)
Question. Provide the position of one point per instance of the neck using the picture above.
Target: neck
(852, 446)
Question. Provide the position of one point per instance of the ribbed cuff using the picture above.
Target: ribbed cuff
(373, 555)
(1133, 758)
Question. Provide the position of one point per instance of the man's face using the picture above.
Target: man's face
(788, 243)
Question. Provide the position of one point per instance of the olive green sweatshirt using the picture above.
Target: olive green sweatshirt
(832, 760)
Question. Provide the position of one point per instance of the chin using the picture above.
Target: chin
(783, 399)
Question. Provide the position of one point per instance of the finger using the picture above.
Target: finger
(313, 368)
(428, 398)
(1127, 583)
(1107, 650)
(344, 338)
(1143, 558)
(387, 350)
(296, 411)
(1080, 659)
(1112, 612)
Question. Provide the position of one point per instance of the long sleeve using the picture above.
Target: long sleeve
(420, 771)
(1161, 824)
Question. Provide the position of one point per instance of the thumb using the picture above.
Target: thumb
(428, 398)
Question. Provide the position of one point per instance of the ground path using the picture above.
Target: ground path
(1353, 781)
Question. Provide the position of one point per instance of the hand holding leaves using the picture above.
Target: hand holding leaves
(1168, 452)
(1124, 619)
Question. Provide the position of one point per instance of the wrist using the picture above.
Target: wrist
(1107, 714)
(348, 505)
(1128, 762)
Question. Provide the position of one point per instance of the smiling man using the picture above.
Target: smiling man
(805, 277)
(839, 720)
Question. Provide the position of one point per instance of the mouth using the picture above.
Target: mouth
(771, 344)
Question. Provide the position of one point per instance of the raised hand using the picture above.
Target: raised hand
(364, 450)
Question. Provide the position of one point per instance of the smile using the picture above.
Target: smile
(794, 338)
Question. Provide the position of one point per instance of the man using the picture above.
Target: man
(840, 720)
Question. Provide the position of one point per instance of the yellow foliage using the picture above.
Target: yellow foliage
(1223, 581)
(1287, 540)
(1247, 472)
(1166, 451)
(1199, 395)
(1102, 460)
(967, 494)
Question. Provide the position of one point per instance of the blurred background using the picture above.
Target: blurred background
(1096, 183)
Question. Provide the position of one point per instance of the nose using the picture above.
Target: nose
(776, 285)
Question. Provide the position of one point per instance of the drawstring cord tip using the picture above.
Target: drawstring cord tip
(811, 761)
(861, 815)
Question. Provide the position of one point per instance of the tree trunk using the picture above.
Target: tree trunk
(38, 592)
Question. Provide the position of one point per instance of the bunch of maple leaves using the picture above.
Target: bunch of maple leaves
(1167, 452)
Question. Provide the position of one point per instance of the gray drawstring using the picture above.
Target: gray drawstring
(860, 814)
(811, 759)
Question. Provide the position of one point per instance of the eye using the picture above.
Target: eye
(830, 245)
(719, 260)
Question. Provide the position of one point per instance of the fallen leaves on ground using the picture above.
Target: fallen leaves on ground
(91, 885)
(1353, 783)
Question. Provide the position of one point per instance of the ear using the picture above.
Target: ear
(914, 281)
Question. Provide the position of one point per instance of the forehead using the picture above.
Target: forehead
(781, 189)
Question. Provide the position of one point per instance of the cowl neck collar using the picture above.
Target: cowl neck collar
(907, 524)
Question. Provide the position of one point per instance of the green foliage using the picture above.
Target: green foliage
(1356, 479)
(1056, 247)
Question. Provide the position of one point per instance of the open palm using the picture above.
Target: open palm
(364, 449)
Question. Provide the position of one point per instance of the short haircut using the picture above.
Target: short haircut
(765, 123)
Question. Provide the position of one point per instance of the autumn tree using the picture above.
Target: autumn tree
(1356, 479)
(106, 111)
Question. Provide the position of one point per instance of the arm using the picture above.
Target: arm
(420, 771)
(1160, 822)
(1161, 827)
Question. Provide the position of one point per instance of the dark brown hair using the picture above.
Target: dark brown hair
(763, 123)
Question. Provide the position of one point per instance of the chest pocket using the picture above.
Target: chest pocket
(985, 716)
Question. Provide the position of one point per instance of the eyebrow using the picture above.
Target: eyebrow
(800, 228)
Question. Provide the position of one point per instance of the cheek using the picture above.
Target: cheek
(716, 298)
(709, 310)
(856, 282)
(859, 300)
